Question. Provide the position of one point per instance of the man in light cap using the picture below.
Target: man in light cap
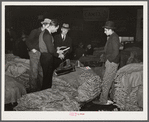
(111, 59)
(32, 43)
(63, 40)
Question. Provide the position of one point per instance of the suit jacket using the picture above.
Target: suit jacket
(112, 48)
(58, 42)
(32, 41)
(46, 43)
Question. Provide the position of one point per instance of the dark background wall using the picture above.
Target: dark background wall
(86, 24)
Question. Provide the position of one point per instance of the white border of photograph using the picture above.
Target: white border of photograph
(80, 115)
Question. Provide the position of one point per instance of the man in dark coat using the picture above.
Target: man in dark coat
(111, 58)
(48, 52)
(32, 43)
(63, 40)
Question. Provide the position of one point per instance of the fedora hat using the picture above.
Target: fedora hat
(109, 25)
(66, 26)
(46, 21)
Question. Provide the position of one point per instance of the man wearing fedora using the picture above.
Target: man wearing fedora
(63, 40)
(32, 43)
(111, 59)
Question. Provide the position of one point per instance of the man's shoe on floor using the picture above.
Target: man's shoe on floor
(98, 102)
(109, 102)
(102, 103)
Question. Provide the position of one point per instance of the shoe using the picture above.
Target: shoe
(109, 102)
(98, 102)
(102, 103)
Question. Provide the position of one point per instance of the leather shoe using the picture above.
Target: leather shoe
(99, 102)
(102, 103)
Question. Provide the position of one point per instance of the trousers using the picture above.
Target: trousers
(108, 78)
(47, 64)
(35, 70)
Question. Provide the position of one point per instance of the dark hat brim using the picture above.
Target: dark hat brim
(108, 27)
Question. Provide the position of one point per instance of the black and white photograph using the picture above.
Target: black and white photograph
(74, 60)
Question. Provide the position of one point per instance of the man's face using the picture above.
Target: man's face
(107, 31)
(64, 31)
(54, 29)
(45, 25)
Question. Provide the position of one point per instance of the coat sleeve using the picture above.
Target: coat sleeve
(50, 46)
(70, 45)
(115, 49)
(30, 39)
(56, 39)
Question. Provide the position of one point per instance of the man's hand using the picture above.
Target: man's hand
(34, 50)
(61, 56)
(60, 52)
(102, 58)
